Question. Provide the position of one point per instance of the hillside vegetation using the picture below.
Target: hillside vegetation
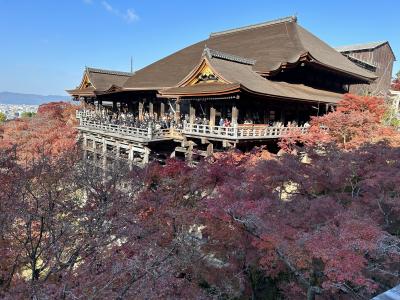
(321, 221)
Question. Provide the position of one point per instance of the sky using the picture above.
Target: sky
(46, 44)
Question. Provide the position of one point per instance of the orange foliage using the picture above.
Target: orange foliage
(51, 132)
(356, 121)
(353, 103)
(396, 82)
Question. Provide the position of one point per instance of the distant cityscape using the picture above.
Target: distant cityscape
(14, 111)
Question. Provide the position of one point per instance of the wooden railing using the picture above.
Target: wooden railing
(241, 131)
(113, 128)
(230, 132)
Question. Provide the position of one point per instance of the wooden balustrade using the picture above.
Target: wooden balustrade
(220, 132)
(123, 130)
(240, 132)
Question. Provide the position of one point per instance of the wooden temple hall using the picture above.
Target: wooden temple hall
(239, 88)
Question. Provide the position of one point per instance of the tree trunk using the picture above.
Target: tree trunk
(310, 293)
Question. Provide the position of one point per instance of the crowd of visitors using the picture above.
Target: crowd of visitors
(125, 118)
(167, 120)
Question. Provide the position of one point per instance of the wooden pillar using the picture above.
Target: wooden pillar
(104, 153)
(235, 115)
(130, 153)
(114, 107)
(177, 111)
(146, 156)
(212, 116)
(130, 157)
(210, 149)
(94, 151)
(141, 105)
(84, 146)
(130, 106)
(117, 149)
(192, 114)
(189, 153)
(151, 108)
(162, 109)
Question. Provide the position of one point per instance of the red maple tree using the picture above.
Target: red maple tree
(356, 120)
(240, 225)
(51, 131)
(396, 82)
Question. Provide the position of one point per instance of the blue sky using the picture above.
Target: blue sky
(45, 44)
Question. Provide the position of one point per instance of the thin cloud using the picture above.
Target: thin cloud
(88, 1)
(108, 7)
(128, 15)
(131, 16)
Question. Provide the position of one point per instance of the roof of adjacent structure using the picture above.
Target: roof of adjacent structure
(269, 46)
(88, 91)
(100, 80)
(103, 79)
(241, 76)
(358, 47)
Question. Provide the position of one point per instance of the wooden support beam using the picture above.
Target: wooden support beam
(227, 144)
(146, 156)
(151, 108)
(162, 109)
(141, 106)
(184, 142)
(212, 116)
(104, 152)
(189, 153)
(118, 149)
(84, 147)
(210, 149)
(204, 140)
(130, 106)
(192, 114)
(177, 111)
(235, 115)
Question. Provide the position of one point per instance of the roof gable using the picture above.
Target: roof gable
(104, 79)
(241, 77)
(205, 73)
(85, 82)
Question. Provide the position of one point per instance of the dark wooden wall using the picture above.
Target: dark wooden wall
(382, 57)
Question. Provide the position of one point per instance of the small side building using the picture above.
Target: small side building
(376, 57)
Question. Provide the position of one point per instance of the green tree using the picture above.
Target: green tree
(27, 114)
(3, 117)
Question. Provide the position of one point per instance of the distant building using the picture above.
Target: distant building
(377, 57)
(392, 294)
(395, 96)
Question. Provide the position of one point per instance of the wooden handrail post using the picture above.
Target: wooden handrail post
(235, 130)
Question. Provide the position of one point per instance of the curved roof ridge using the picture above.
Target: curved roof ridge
(253, 26)
(211, 53)
(109, 72)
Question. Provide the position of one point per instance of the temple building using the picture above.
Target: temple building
(237, 89)
(377, 57)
